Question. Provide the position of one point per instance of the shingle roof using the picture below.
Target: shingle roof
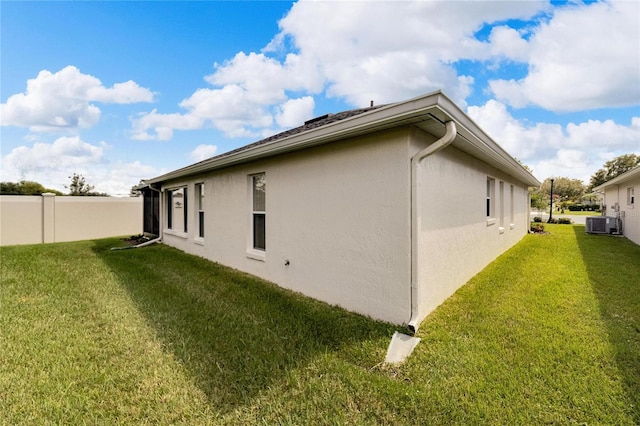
(314, 123)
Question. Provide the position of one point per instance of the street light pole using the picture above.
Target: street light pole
(551, 204)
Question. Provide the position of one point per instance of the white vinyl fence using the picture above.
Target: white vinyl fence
(26, 219)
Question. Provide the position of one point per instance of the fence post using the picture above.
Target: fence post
(48, 217)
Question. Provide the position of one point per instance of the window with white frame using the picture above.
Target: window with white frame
(491, 195)
(259, 211)
(501, 186)
(511, 206)
(199, 198)
(630, 196)
(177, 209)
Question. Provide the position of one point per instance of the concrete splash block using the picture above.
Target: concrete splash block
(400, 348)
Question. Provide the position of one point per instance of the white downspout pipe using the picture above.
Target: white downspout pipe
(158, 239)
(441, 143)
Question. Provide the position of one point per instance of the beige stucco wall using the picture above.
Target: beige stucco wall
(338, 213)
(455, 238)
(630, 214)
(38, 219)
(20, 219)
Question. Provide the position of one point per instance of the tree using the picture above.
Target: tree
(565, 191)
(80, 187)
(25, 187)
(538, 201)
(613, 168)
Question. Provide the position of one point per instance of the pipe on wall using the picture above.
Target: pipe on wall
(441, 143)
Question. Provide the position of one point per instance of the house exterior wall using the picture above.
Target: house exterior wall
(338, 214)
(456, 239)
(629, 213)
(47, 218)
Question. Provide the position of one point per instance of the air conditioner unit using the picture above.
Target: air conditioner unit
(601, 225)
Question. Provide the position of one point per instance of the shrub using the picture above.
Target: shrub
(537, 219)
(565, 221)
(553, 220)
(537, 227)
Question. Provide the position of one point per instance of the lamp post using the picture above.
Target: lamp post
(551, 204)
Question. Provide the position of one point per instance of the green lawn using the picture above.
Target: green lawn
(548, 333)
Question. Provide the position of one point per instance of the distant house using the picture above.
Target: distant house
(620, 201)
(385, 210)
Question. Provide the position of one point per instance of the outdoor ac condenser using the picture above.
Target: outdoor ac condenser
(601, 225)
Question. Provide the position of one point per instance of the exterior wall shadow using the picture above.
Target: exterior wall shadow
(236, 334)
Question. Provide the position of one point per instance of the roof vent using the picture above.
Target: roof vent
(314, 120)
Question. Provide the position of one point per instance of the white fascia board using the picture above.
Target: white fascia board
(426, 107)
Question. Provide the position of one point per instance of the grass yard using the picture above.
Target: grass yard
(548, 333)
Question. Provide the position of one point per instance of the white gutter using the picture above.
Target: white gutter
(441, 143)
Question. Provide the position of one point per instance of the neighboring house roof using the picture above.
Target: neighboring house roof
(626, 176)
(428, 112)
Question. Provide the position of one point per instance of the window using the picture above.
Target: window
(259, 219)
(511, 207)
(169, 209)
(177, 209)
(630, 196)
(184, 211)
(491, 190)
(200, 207)
(501, 204)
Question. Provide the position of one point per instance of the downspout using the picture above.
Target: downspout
(155, 240)
(441, 143)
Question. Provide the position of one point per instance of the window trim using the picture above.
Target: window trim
(512, 207)
(199, 210)
(490, 206)
(501, 201)
(631, 197)
(254, 251)
(169, 225)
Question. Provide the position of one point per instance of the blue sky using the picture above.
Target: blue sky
(123, 91)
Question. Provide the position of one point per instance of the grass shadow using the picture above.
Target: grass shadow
(236, 334)
(613, 266)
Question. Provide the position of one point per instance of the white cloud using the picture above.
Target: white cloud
(357, 51)
(67, 151)
(388, 51)
(507, 42)
(249, 86)
(575, 151)
(62, 100)
(117, 179)
(586, 56)
(202, 152)
(52, 164)
(294, 112)
(163, 125)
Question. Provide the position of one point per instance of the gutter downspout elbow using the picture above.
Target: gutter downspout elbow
(441, 143)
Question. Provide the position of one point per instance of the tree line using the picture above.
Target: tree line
(572, 194)
(78, 186)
